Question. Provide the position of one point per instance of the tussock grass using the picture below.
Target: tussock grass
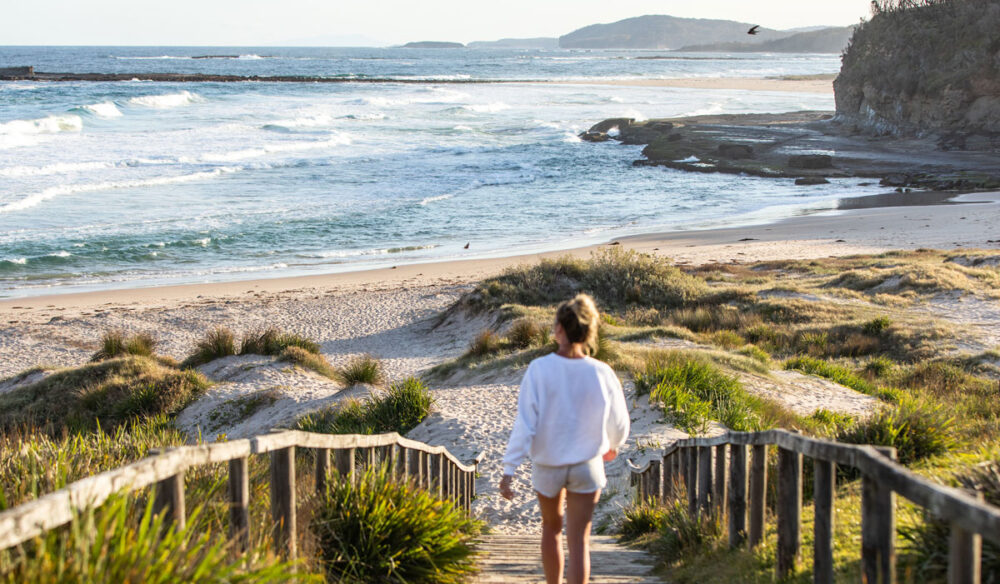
(108, 545)
(833, 372)
(525, 333)
(378, 530)
(917, 429)
(221, 342)
(217, 343)
(615, 278)
(107, 393)
(271, 341)
(399, 409)
(115, 343)
(313, 361)
(361, 369)
(485, 343)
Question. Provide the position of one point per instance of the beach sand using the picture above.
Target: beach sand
(391, 313)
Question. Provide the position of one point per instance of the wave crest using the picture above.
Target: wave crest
(168, 100)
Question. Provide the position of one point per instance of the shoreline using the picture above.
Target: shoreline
(827, 233)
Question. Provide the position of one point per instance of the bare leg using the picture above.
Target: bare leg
(579, 512)
(552, 520)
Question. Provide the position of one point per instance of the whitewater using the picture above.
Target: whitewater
(107, 185)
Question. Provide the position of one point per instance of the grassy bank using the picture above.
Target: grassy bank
(696, 340)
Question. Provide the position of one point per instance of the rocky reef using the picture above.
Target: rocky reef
(809, 147)
(930, 69)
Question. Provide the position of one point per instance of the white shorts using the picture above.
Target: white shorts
(583, 477)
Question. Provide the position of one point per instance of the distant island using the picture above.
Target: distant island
(433, 45)
(703, 35)
(533, 43)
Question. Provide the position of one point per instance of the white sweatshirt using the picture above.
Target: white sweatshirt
(568, 411)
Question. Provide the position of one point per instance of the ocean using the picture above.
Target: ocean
(128, 184)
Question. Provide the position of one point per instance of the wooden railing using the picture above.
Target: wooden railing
(430, 467)
(699, 466)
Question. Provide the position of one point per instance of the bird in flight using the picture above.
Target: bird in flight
(753, 29)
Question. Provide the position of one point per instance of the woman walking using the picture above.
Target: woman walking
(571, 418)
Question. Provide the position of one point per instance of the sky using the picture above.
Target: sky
(372, 22)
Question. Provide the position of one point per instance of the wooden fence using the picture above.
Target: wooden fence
(700, 465)
(430, 467)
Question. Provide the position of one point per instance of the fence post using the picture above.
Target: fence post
(878, 529)
(669, 476)
(789, 510)
(437, 481)
(758, 494)
(239, 504)
(704, 478)
(824, 489)
(283, 500)
(965, 555)
(413, 466)
(398, 462)
(655, 482)
(692, 480)
(737, 494)
(344, 459)
(322, 469)
(169, 500)
(719, 494)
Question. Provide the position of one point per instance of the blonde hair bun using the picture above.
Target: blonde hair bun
(579, 318)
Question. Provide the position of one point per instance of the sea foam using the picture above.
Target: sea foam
(36, 199)
(168, 100)
(106, 109)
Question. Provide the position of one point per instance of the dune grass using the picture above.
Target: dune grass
(399, 409)
(107, 393)
(221, 342)
(376, 529)
(115, 343)
(361, 369)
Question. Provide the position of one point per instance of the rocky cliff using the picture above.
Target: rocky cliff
(931, 70)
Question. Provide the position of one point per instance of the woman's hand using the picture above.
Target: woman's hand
(610, 455)
(505, 487)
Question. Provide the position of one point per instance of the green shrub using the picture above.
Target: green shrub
(642, 519)
(107, 545)
(379, 530)
(876, 326)
(218, 343)
(271, 341)
(928, 541)
(524, 333)
(106, 393)
(829, 423)
(879, 366)
(917, 430)
(361, 369)
(115, 343)
(399, 409)
(831, 371)
(727, 339)
(681, 535)
(486, 343)
(756, 353)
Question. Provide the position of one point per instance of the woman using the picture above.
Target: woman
(571, 418)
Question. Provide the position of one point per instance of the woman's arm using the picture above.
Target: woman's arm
(519, 443)
(618, 421)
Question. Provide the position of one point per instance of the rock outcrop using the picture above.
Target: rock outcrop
(930, 71)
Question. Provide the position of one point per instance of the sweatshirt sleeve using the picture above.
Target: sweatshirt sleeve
(519, 444)
(618, 421)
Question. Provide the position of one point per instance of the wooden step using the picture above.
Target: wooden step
(516, 559)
